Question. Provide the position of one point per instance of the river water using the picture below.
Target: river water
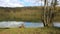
(14, 24)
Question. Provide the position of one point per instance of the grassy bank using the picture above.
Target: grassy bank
(30, 31)
(20, 14)
(32, 14)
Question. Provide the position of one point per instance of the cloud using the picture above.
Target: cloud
(22, 3)
(10, 3)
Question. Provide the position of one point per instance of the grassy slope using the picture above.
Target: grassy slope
(30, 31)
(20, 14)
(25, 14)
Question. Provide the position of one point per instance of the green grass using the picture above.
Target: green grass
(44, 30)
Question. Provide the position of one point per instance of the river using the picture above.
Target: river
(15, 24)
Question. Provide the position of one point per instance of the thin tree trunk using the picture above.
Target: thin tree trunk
(44, 16)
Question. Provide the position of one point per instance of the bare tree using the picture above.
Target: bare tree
(49, 12)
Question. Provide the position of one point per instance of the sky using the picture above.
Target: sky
(22, 3)
(19, 3)
(31, 2)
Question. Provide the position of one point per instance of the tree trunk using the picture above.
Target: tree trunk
(47, 16)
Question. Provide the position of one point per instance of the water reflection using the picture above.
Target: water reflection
(56, 24)
(33, 25)
(14, 24)
(10, 24)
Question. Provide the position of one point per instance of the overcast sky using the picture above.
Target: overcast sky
(21, 3)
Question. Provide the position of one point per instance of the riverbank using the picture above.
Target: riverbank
(44, 30)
